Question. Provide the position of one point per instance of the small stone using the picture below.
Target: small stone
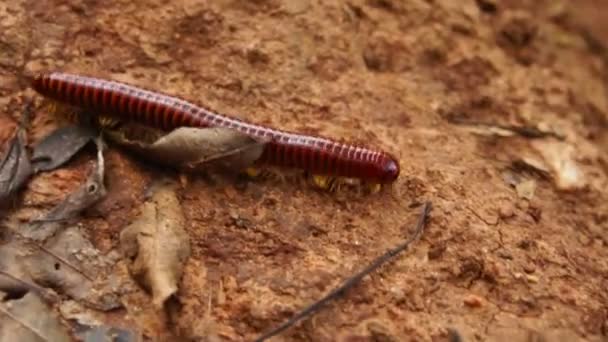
(505, 255)
(584, 240)
(473, 301)
(506, 211)
(529, 268)
(532, 279)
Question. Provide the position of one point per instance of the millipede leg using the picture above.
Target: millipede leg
(61, 111)
(321, 182)
(373, 188)
(253, 172)
(327, 183)
(106, 121)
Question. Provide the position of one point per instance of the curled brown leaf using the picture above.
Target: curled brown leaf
(157, 244)
(194, 149)
(15, 167)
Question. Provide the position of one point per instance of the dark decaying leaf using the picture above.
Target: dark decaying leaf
(30, 319)
(17, 287)
(72, 265)
(15, 167)
(69, 264)
(11, 257)
(83, 197)
(103, 333)
(196, 149)
(89, 325)
(157, 244)
(60, 146)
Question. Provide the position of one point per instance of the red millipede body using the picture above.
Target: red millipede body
(285, 149)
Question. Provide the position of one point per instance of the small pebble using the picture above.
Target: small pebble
(532, 279)
(473, 301)
(506, 211)
(529, 268)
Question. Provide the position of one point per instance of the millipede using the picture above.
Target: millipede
(314, 154)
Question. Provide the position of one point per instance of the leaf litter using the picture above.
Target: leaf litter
(73, 266)
(561, 159)
(46, 253)
(82, 198)
(15, 167)
(60, 261)
(89, 326)
(192, 149)
(157, 244)
(60, 146)
(30, 319)
(39, 260)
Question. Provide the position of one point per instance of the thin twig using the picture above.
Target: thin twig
(354, 280)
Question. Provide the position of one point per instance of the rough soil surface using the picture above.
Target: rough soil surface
(497, 262)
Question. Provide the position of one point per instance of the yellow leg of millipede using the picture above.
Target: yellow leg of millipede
(374, 187)
(327, 183)
(253, 172)
(105, 121)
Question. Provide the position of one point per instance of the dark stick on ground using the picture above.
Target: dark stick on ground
(354, 280)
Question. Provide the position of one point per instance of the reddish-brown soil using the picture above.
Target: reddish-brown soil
(392, 73)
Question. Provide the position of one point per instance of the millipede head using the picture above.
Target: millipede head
(390, 170)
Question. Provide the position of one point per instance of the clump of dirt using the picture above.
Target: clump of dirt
(516, 245)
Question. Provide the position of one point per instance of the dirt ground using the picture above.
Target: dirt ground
(512, 251)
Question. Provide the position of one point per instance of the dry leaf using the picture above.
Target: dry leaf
(86, 195)
(88, 325)
(560, 156)
(195, 149)
(103, 333)
(69, 264)
(532, 165)
(75, 267)
(60, 146)
(17, 287)
(526, 189)
(15, 168)
(11, 256)
(157, 244)
(30, 319)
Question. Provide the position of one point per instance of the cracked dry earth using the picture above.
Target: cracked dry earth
(516, 248)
